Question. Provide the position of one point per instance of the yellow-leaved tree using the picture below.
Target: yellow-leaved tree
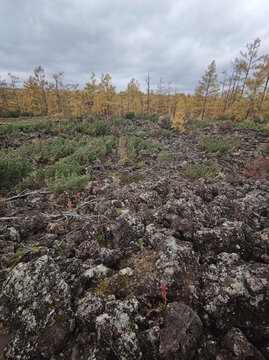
(178, 121)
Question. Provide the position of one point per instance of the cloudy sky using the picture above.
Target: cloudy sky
(172, 39)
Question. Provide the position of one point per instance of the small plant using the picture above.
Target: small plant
(100, 240)
(249, 125)
(196, 124)
(255, 171)
(161, 307)
(13, 169)
(195, 171)
(213, 143)
(130, 115)
(164, 289)
(60, 252)
(162, 157)
(265, 150)
(226, 126)
(224, 117)
(141, 244)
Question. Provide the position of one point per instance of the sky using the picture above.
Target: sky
(172, 39)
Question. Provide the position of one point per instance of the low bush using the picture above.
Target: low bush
(130, 115)
(195, 171)
(13, 169)
(27, 114)
(162, 157)
(257, 170)
(140, 134)
(72, 182)
(134, 145)
(9, 128)
(57, 148)
(10, 114)
(248, 125)
(99, 127)
(223, 117)
(265, 149)
(213, 143)
(196, 124)
(160, 133)
(226, 126)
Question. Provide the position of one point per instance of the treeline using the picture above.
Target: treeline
(238, 93)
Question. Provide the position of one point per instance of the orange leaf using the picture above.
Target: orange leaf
(69, 205)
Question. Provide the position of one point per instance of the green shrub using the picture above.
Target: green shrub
(13, 169)
(27, 114)
(99, 127)
(160, 133)
(213, 143)
(72, 182)
(134, 145)
(195, 171)
(96, 149)
(265, 149)
(10, 114)
(130, 115)
(140, 134)
(248, 125)
(163, 156)
(196, 124)
(223, 117)
(57, 148)
(63, 168)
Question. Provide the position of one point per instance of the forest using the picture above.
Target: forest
(238, 93)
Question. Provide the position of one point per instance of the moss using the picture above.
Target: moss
(39, 313)
(134, 177)
(101, 289)
(59, 318)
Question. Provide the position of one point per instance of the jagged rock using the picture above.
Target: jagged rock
(180, 334)
(178, 266)
(239, 346)
(234, 291)
(116, 332)
(164, 122)
(36, 309)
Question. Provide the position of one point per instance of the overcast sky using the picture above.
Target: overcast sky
(173, 39)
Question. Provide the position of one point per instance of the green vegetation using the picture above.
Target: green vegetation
(13, 169)
(130, 115)
(134, 145)
(162, 157)
(265, 149)
(196, 124)
(195, 171)
(249, 125)
(213, 143)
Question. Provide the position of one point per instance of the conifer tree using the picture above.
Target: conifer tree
(90, 92)
(207, 91)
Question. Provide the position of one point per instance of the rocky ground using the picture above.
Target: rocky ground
(81, 271)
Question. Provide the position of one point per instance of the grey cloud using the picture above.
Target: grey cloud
(174, 39)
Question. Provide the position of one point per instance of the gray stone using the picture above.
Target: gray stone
(180, 334)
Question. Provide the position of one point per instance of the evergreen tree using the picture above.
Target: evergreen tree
(207, 91)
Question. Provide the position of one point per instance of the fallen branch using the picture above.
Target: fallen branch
(9, 218)
(23, 195)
